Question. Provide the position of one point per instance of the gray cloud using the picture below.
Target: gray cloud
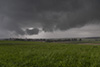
(50, 15)
(34, 31)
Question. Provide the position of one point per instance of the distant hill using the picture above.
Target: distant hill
(92, 37)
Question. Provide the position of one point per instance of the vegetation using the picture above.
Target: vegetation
(41, 54)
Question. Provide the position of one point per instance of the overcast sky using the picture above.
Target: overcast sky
(49, 18)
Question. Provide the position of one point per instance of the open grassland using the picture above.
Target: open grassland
(41, 54)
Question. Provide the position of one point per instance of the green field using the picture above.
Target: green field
(41, 54)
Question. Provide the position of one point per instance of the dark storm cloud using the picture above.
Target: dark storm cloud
(51, 15)
(34, 31)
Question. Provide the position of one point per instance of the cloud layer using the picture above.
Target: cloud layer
(50, 15)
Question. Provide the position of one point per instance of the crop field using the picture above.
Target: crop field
(44, 54)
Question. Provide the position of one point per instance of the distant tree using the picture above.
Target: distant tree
(80, 39)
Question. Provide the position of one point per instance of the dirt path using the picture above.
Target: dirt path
(89, 43)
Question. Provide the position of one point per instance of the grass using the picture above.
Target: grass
(39, 54)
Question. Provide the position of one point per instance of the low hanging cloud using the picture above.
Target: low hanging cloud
(34, 31)
(50, 15)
